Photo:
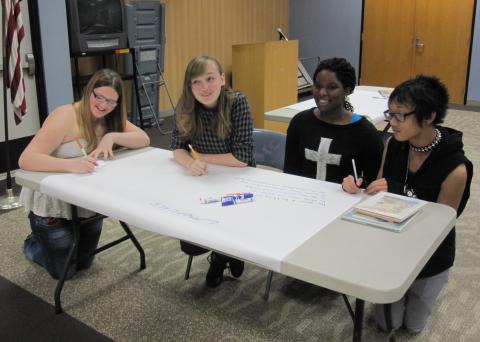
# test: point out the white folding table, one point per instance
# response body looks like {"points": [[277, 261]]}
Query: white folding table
{"points": [[293, 227]]}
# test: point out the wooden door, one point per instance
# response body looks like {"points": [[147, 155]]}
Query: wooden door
{"points": [[443, 35], [387, 49], [403, 38]]}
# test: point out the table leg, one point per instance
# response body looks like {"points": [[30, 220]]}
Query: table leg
{"points": [[358, 322], [267, 286], [136, 243], [73, 251], [349, 307], [388, 321]]}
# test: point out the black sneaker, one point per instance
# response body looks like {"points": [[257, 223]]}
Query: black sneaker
{"points": [[236, 267], [218, 263]]}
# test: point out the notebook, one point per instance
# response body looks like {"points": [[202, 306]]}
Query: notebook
{"points": [[389, 207], [354, 216]]}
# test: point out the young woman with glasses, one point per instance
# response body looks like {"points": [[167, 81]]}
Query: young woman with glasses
{"points": [[427, 161], [70, 140], [213, 125]]}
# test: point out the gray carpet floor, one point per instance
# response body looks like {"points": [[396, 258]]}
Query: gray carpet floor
{"points": [[156, 304]]}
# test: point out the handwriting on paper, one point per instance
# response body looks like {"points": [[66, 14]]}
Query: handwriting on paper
{"points": [[182, 213], [283, 193]]}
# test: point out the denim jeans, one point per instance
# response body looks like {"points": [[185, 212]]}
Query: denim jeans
{"points": [[51, 239]]}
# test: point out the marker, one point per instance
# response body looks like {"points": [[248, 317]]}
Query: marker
{"points": [[81, 147], [195, 154], [355, 171], [237, 199], [239, 196]]}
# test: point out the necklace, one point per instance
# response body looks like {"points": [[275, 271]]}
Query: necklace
{"points": [[429, 147], [408, 191], [406, 174]]}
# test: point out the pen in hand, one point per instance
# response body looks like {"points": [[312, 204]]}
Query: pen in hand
{"points": [[81, 147], [198, 167], [355, 174], [195, 154]]}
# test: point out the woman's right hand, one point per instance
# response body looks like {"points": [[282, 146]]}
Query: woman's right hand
{"points": [[197, 167], [349, 185], [85, 164]]}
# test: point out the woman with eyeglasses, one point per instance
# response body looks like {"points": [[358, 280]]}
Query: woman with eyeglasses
{"points": [[71, 139], [213, 125], [426, 161], [323, 141]]}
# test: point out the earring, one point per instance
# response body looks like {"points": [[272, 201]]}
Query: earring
{"points": [[347, 105]]}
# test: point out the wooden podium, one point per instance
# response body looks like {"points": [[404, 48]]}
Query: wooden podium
{"points": [[267, 74]]}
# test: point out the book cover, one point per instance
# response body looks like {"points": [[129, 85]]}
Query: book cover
{"points": [[389, 207], [354, 216]]}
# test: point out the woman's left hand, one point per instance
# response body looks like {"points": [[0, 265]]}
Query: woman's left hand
{"points": [[104, 148], [377, 186]]}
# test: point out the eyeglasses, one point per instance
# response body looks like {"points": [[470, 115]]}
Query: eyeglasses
{"points": [[103, 99], [400, 117]]}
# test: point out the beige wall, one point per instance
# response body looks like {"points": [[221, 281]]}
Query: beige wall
{"points": [[195, 27]]}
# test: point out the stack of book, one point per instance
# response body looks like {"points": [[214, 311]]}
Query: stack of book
{"points": [[385, 210]]}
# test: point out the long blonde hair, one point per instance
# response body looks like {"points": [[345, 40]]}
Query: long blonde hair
{"points": [[115, 121], [188, 121]]}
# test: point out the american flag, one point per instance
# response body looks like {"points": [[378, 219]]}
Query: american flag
{"points": [[14, 34]]}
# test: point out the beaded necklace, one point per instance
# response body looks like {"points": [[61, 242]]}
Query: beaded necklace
{"points": [[438, 137], [429, 147]]}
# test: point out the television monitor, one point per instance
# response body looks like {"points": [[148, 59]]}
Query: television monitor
{"points": [[96, 25]]}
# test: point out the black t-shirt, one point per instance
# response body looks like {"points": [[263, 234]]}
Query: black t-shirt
{"points": [[317, 149]]}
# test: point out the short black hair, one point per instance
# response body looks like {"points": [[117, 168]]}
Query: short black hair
{"points": [[344, 71], [425, 94]]}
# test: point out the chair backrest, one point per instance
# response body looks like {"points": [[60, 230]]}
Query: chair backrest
{"points": [[269, 148], [385, 136]]}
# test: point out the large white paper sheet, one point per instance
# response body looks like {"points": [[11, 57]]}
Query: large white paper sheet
{"points": [[153, 192]]}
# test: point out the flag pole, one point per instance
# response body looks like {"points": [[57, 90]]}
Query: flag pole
{"points": [[8, 201]]}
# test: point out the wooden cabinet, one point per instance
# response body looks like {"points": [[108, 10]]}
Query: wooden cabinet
{"points": [[267, 74]]}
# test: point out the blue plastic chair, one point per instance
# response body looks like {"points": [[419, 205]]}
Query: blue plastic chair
{"points": [[269, 150]]}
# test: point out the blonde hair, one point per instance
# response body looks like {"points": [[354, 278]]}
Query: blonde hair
{"points": [[115, 121], [188, 122]]}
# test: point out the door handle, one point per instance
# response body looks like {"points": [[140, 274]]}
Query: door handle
{"points": [[30, 58], [419, 44]]}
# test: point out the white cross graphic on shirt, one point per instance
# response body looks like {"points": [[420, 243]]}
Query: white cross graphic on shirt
{"points": [[322, 157]]}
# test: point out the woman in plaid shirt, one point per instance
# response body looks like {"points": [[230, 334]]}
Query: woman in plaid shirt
{"points": [[216, 121]]}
